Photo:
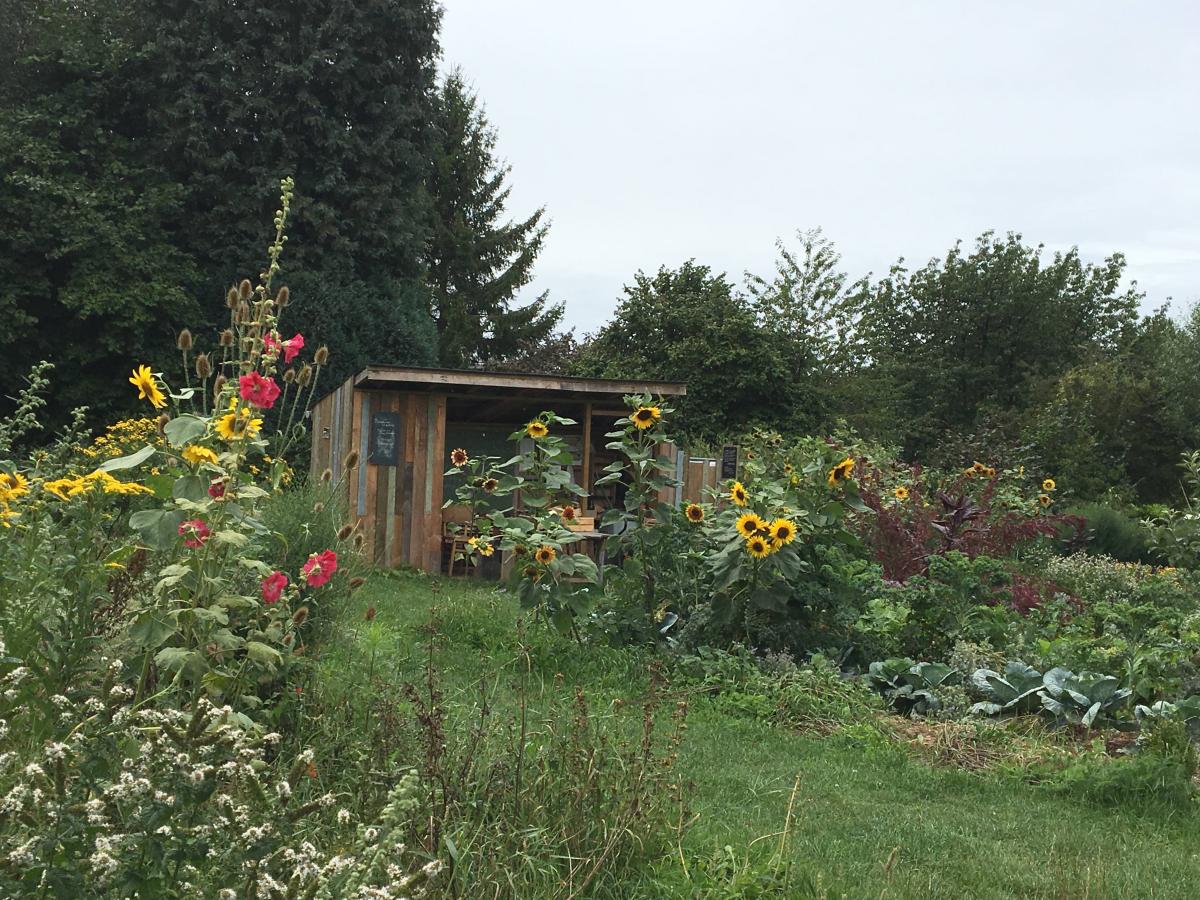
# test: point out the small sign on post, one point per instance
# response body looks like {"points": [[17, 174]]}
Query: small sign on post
{"points": [[729, 460], [384, 428]]}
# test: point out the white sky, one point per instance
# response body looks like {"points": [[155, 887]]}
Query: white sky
{"points": [[658, 131]]}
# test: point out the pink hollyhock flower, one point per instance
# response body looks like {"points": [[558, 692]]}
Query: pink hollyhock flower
{"points": [[290, 348], [319, 568], [216, 490], [272, 587], [194, 533], [262, 392]]}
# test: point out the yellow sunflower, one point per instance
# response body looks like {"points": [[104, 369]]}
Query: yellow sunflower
{"points": [[545, 554], [537, 429], [694, 512], [900, 493], [645, 416], [143, 380], [737, 493], [758, 547], [841, 471], [489, 485], [750, 524], [1048, 485], [13, 486], [195, 454], [782, 532], [236, 426], [1044, 499]]}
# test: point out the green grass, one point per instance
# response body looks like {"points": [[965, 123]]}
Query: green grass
{"points": [[862, 800]]}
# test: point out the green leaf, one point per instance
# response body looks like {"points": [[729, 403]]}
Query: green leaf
{"points": [[182, 430], [133, 460], [229, 538], [151, 628], [158, 528], [263, 653], [190, 487]]}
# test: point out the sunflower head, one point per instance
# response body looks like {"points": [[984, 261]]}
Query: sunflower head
{"points": [[568, 513], [148, 389], [758, 547], [841, 471], [787, 468], [1044, 499], [645, 416], [195, 454], [900, 493], [749, 524], [537, 429], [489, 485], [782, 532], [694, 512], [737, 493], [458, 456], [1048, 485], [545, 554], [13, 486]]}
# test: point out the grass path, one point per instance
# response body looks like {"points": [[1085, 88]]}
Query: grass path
{"points": [[870, 821]]}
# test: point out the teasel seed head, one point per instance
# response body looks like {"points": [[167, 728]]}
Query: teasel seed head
{"points": [[356, 582], [203, 366], [319, 507], [226, 338], [321, 356], [160, 424], [359, 540], [305, 376], [218, 384], [184, 341], [327, 476], [351, 460], [245, 289], [283, 298], [289, 376], [231, 297], [242, 313], [300, 615], [344, 531]]}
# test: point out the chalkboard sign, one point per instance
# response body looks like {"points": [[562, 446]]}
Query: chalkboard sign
{"points": [[729, 455], [385, 428]]}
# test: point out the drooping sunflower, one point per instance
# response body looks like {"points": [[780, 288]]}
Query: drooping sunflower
{"points": [[694, 512], [545, 554], [749, 524], [143, 380], [458, 457], [1048, 485], [1044, 499], [537, 429], [900, 493], [195, 454], [989, 472], [841, 471], [737, 493], [489, 485], [645, 416], [782, 532], [758, 547]]}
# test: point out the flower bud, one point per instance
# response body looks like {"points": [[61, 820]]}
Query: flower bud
{"points": [[321, 356], [283, 298], [305, 375], [289, 376], [226, 338], [184, 341], [245, 289], [203, 366]]}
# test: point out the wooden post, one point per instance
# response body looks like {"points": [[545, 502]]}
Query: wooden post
{"points": [[587, 452]]}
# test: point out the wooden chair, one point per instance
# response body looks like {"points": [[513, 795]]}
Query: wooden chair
{"points": [[457, 530]]}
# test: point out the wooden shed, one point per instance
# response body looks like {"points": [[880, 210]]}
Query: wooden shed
{"points": [[403, 421]]}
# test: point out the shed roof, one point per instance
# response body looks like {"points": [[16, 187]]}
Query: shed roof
{"points": [[475, 382]]}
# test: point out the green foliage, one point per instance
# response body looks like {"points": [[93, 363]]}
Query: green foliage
{"points": [[1141, 782], [1082, 698], [476, 263], [1114, 533], [911, 687], [1017, 690], [688, 324]]}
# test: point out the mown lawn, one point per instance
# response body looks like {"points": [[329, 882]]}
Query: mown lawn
{"points": [[869, 819]]}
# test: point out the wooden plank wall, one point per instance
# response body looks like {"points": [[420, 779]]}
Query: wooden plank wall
{"points": [[698, 477], [397, 508]]}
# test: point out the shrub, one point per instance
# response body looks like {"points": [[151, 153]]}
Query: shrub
{"points": [[1111, 532]]}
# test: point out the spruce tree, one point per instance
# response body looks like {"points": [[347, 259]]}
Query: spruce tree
{"points": [[477, 262]]}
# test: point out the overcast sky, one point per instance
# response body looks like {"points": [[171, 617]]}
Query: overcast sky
{"points": [[658, 131]]}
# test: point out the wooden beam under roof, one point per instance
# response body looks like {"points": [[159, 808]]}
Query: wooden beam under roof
{"points": [[454, 381]]}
